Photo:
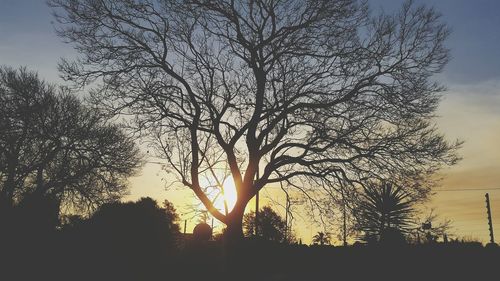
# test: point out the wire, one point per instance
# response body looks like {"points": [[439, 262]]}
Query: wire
{"points": [[153, 162], [467, 189]]}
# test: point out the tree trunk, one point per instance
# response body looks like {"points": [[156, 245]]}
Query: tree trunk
{"points": [[7, 193], [233, 239], [234, 231]]}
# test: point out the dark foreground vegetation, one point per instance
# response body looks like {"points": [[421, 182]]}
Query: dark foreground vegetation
{"points": [[141, 241], [73, 257]]}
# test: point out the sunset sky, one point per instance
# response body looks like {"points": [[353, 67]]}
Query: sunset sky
{"points": [[470, 109]]}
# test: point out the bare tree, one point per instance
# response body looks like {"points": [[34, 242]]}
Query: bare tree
{"points": [[54, 147], [308, 92]]}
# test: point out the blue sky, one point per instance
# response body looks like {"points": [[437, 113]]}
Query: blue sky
{"points": [[470, 109], [475, 37], [27, 36]]}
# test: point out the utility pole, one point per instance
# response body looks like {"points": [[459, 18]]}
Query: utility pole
{"points": [[345, 229], [344, 225], [490, 224], [257, 206], [287, 209]]}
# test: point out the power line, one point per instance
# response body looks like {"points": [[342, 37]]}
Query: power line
{"points": [[153, 162], [467, 189]]}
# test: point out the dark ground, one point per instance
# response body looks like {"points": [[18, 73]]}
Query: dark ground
{"points": [[76, 257]]}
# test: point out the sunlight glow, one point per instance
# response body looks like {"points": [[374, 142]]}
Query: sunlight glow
{"points": [[230, 194]]}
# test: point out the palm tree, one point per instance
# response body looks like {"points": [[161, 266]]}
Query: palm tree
{"points": [[383, 209], [321, 238]]}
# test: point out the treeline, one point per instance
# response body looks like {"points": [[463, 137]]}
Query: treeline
{"points": [[141, 241], [120, 241]]}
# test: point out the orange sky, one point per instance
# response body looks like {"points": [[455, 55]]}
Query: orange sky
{"points": [[461, 115], [472, 113]]}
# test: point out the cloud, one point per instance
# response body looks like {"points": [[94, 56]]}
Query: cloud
{"points": [[471, 112]]}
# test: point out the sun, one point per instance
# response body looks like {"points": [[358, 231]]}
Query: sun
{"points": [[230, 194], [223, 196]]}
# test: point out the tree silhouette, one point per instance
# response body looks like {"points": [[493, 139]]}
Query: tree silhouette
{"points": [[56, 151], [384, 210], [121, 224], [271, 226], [130, 240], [321, 238], [308, 92]]}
